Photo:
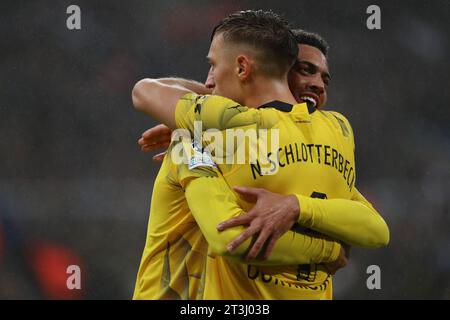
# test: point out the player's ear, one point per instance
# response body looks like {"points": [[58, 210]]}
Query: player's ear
{"points": [[243, 67]]}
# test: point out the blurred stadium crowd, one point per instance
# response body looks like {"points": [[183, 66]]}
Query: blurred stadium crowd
{"points": [[75, 189]]}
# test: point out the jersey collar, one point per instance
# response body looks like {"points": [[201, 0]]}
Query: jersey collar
{"points": [[286, 107]]}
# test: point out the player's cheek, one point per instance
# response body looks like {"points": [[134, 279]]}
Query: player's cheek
{"points": [[323, 99]]}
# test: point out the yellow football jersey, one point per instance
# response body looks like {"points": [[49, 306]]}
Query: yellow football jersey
{"points": [[174, 258], [314, 159]]}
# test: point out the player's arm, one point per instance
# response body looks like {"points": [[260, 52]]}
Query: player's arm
{"points": [[353, 221], [158, 137], [191, 85], [158, 99], [219, 203]]}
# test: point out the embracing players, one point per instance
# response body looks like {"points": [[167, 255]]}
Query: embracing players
{"points": [[315, 159]]}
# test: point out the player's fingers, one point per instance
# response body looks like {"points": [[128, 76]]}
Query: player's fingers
{"points": [[330, 268], [159, 129], [156, 146], [147, 134], [159, 157], [248, 190], [257, 246], [248, 193], [156, 129], [273, 239], [241, 238], [161, 145], [143, 142], [146, 148], [156, 139], [233, 222]]}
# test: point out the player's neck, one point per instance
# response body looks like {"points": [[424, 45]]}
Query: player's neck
{"points": [[264, 91]]}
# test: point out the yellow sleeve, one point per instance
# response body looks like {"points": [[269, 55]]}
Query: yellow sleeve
{"points": [[211, 201], [214, 112], [354, 221]]}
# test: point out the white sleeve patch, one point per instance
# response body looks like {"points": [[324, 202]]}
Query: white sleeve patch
{"points": [[197, 158]]}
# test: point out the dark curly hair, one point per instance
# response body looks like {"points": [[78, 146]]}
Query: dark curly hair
{"points": [[311, 39]]}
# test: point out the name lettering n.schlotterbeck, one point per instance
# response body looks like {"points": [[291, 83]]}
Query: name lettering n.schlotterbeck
{"points": [[312, 153]]}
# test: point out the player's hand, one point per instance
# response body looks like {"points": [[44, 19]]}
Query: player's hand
{"points": [[341, 262], [155, 138], [159, 157], [271, 216]]}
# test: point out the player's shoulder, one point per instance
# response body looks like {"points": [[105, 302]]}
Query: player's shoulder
{"points": [[208, 99], [211, 104], [339, 121]]}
